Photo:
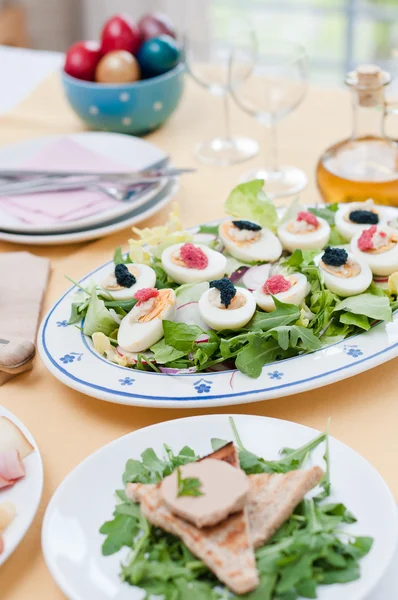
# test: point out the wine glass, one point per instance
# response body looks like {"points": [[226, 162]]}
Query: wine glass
{"points": [[207, 54], [275, 87]]}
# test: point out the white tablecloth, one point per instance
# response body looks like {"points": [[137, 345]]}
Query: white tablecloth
{"points": [[20, 72]]}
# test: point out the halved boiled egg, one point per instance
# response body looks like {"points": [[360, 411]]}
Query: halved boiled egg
{"points": [[378, 248], [305, 232], [123, 281], [142, 326], [291, 289], [351, 219], [224, 306], [191, 263], [343, 272], [250, 242]]}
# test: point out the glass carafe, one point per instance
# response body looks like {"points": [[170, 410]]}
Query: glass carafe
{"points": [[366, 164]]}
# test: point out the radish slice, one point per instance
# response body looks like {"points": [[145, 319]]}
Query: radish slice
{"points": [[202, 338], [255, 277], [205, 238], [173, 371], [189, 314], [238, 274]]}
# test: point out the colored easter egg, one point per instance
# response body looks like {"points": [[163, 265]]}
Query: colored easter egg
{"points": [[81, 60], [154, 24], [120, 32], [117, 67], [158, 55]]}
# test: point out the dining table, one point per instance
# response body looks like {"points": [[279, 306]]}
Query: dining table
{"points": [[67, 425]]}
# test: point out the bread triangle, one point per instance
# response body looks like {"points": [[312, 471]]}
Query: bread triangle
{"points": [[225, 548]]}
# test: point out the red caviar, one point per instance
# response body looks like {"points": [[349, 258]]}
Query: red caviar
{"points": [[365, 242], [276, 284], [308, 218], [146, 294], [193, 257]]}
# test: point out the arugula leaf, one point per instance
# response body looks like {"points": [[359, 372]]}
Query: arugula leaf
{"points": [[295, 336], [205, 350], [284, 314], [181, 336], [300, 259], [256, 354], [369, 305], [119, 259], [120, 532], [248, 201], [188, 486], [163, 353]]}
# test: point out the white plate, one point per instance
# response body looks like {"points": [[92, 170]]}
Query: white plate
{"points": [[70, 356], [127, 150], [151, 207], [25, 494], [71, 541]]}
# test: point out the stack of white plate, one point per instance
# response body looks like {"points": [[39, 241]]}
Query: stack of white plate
{"points": [[132, 152]]}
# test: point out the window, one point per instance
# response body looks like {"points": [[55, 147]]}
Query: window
{"points": [[338, 34]]}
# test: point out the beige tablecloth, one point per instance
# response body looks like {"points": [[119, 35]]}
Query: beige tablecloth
{"points": [[69, 426]]}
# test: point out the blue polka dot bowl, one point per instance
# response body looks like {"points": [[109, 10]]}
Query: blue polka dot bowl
{"points": [[137, 108]]}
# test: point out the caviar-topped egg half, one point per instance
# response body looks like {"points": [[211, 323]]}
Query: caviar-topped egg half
{"points": [[378, 247], [192, 263], [123, 281], [224, 306], [304, 232], [353, 218], [249, 242], [142, 326], [343, 272], [291, 289]]}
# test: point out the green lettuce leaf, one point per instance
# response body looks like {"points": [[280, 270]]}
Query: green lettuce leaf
{"points": [[369, 305], [357, 320], [181, 336], [163, 353], [190, 292], [248, 201], [98, 317]]}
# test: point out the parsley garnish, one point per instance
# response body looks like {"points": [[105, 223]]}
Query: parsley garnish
{"points": [[190, 486]]}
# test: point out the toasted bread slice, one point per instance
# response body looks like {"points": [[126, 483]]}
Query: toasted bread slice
{"points": [[273, 498], [225, 548]]}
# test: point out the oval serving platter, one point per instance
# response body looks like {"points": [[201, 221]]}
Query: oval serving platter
{"points": [[71, 358]]}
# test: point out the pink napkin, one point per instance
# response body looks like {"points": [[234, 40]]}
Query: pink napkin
{"points": [[44, 209]]}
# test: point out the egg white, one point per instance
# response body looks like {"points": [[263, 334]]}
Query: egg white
{"points": [[295, 295], [266, 249], [221, 318], [383, 264], [349, 286], [137, 337], [214, 270], [304, 241], [146, 279], [348, 229]]}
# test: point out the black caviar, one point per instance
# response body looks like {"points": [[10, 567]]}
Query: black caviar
{"points": [[226, 288], [248, 225], [334, 257], [124, 277], [364, 217]]}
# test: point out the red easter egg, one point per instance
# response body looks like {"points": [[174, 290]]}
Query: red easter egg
{"points": [[154, 24], [120, 32], [81, 60]]}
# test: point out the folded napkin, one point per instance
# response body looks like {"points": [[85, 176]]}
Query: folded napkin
{"points": [[48, 208], [23, 279]]}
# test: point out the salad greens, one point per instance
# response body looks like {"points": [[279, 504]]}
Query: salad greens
{"points": [[312, 548], [322, 319], [188, 486]]}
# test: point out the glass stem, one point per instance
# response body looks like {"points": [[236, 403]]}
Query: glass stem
{"points": [[272, 142], [227, 117]]}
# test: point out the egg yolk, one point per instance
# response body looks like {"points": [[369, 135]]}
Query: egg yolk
{"points": [[158, 305]]}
